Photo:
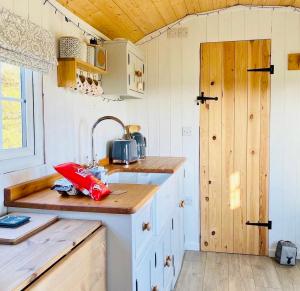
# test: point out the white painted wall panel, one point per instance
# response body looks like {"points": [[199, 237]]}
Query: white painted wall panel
{"points": [[68, 116], [283, 27]]}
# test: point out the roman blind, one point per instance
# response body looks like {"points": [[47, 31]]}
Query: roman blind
{"points": [[25, 44]]}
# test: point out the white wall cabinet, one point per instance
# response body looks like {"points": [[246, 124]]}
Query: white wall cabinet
{"points": [[126, 70]]}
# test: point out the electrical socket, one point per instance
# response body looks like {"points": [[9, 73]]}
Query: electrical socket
{"points": [[186, 131]]}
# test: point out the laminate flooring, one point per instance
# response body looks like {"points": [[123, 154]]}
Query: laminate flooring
{"points": [[218, 271]]}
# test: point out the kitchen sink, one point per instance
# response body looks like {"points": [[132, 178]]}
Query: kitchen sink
{"points": [[138, 178]]}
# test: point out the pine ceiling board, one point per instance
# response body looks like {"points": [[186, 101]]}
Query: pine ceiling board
{"points": [[245, 2], [82, 7], [231, 3], [219, 4], [191, 6], [133, 11], [287, 2], [259, 2], [88, 12], [165, 10], [95, 19], [149, 10], [179, 8], [205, 5], [104, 27], [134, 19], [119, 20]]}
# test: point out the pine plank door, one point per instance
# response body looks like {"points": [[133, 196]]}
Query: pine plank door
{"points": [[234, 146]]}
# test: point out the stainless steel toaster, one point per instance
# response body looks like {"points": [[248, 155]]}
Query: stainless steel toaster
{"points": [[123, 151]]}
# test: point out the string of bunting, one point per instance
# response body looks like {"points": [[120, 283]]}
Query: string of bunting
{"points": [[69, 20], [162, 31]]}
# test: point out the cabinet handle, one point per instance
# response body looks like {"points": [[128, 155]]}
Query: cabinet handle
{"points": [[181, 204], [168, 262], [155, 288], [146, 226], [138, 73]]}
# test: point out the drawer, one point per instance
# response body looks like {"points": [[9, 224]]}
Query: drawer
{"points": [[167, 257], [143, 229], [166, 199], [84, 268]]}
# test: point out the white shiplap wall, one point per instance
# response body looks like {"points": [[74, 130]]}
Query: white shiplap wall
{"points": [[68, 116], [173, 84]]}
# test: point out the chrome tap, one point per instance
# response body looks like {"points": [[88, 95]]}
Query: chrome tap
{"points": [[126, 133]]}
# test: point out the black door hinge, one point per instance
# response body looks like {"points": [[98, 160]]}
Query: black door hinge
{"points": [[270, 70], [263, 224], [203, 98]]}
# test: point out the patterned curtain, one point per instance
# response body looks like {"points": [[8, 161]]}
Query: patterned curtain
{"points": [[25, 44]]}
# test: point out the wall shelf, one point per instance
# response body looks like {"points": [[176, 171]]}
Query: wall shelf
{"points": [[66, 71]]}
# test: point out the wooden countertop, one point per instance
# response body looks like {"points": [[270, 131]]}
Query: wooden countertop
{"points": [[125, 199], [23, 263], [131, 198], [167, 165]]}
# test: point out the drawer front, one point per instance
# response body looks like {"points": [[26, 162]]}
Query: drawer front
{"points": [[165, 203], [143, 275], [167, 257], [143, 229], [84, 268], [157, 267]]}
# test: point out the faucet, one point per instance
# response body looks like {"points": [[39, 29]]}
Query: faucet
{"points": [[126, 133]]}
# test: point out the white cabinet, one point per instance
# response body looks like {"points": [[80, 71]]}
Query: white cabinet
{"points": [[161, 263], [126, 70], [144, 249]]}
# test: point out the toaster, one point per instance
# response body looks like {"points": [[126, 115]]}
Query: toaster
{"points": [[123, 151]]}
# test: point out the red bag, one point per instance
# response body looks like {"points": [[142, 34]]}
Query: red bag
{"points": [[83, 180]]}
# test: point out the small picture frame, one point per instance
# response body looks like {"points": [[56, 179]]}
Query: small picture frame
{"points": [[101, 57]]}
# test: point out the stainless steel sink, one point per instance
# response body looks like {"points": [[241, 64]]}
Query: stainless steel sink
{"points": [[138, 178]]}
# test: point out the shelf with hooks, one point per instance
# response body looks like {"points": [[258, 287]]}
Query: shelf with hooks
{"points": [[67, 67]]}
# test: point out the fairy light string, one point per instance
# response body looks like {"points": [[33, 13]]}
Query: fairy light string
{"points": [[75, 23], [164, 30]]}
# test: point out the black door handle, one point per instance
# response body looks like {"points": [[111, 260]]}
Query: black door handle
{"points": [[263, 224]]}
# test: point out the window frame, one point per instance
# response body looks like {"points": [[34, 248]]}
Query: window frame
{"points": [[33, 154]]}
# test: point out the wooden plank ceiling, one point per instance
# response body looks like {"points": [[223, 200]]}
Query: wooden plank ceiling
{"points": [[134, 19]]}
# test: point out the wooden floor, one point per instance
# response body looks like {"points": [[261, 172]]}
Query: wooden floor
{"points": [[217, 271]]}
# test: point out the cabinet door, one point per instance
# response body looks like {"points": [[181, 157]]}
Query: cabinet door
{"points": [[177, 241], [84, 268], [143, 275], [135, 73], [167, 256], [157, 267]]}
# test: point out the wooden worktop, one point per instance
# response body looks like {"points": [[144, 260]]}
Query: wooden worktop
{"points": [[167, 165], [23, 263], [125, 198]]}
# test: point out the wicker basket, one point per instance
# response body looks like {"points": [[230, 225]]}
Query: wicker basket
{"points": [[71, 47]]}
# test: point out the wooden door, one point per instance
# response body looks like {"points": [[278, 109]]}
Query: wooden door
{"points": [[234, 146]]}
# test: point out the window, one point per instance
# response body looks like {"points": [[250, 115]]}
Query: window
{"points": [[20, 113]]}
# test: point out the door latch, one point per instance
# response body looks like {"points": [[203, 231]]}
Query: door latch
{"points": [[263, 224], [203, 98], [270, 70]]}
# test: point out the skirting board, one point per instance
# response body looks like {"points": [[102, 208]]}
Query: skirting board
{"points": [[192, 246]]}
